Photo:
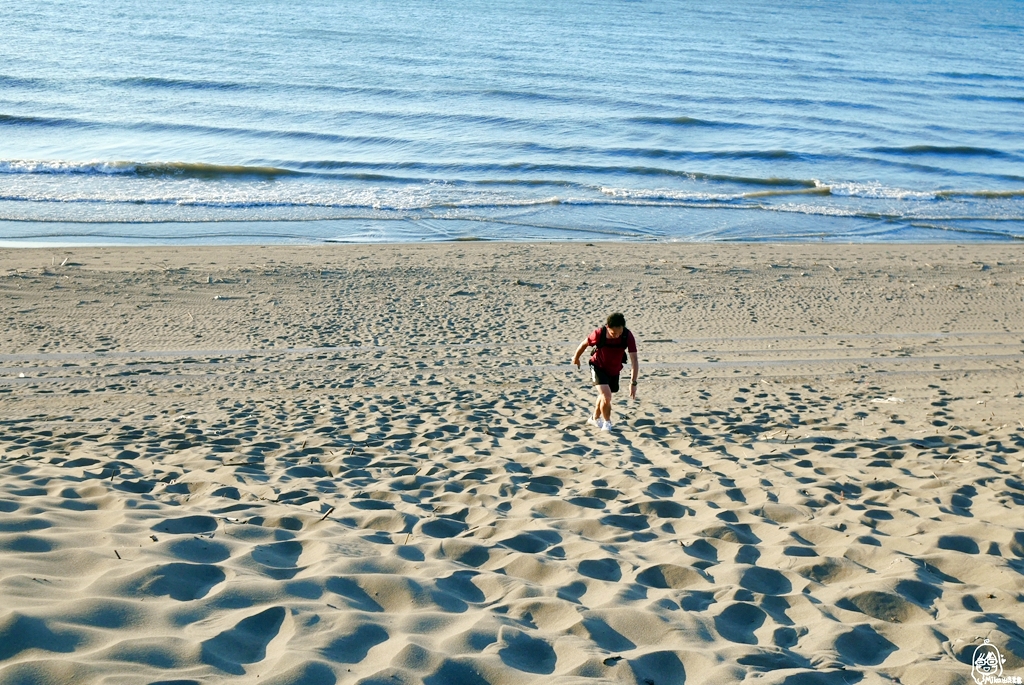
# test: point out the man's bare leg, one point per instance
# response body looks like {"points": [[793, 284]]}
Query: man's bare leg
{"points": [[603, 409]]}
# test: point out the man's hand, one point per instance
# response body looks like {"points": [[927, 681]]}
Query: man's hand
{"points": [[576, 361], [632, 392]]}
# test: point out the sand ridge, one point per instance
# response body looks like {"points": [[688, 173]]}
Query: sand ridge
{"points": [[370, 464]]}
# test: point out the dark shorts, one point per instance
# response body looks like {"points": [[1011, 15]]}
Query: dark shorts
{"points": [[602, 377]]}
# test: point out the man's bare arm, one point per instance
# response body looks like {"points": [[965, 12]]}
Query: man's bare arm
{"points": [[634, 362], [579, 352]]}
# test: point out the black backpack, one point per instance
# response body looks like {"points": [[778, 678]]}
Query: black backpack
{"points": [[602, 341]]}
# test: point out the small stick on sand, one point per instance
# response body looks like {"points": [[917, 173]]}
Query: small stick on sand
{"points": [[116, 554], [329, 511]]}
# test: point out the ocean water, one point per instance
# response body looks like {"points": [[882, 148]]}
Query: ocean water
{"points": [[408, 120]]}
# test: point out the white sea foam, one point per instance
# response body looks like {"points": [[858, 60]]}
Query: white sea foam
{"points": [[877, 191], [99, 192], [26, 166], [819, 210], [665, 195]]}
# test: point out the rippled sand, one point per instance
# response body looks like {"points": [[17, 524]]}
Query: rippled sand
{"points": [[371, 464]]}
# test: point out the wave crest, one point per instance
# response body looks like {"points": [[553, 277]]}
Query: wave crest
{"points": [[145, 169]]}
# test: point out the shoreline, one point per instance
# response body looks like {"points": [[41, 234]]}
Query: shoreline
{"points": [[370, 462], [286, 242], [696, 225]]}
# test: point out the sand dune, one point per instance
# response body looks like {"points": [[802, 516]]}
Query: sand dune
{"points": [[371, 464]]}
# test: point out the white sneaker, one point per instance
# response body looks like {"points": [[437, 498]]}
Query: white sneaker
{"points": [[606, 426], [595, 422]]}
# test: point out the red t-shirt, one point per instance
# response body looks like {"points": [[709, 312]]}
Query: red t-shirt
{"points": [[609, 356]]}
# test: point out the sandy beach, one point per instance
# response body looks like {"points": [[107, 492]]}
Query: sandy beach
{"points": [[371, 464]]}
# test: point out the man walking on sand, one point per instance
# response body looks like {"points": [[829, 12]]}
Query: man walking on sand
{"points": [[612, 341]]}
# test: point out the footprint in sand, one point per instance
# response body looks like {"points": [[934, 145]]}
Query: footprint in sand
{"points": [[526, 653], [19, 632], [352, 646], [884, 606], [603, 635], [199, 550], [466, 552], [663, 668], [180, 581], [738, 621], [533, 542], [460, 584], [309, 673], [601, 569], [188, 525], [162, 652], [245, 643], [765, 581], [670, 576], [25, 543], [355, 596], [442, 527], [278, 560], [864, 646]]}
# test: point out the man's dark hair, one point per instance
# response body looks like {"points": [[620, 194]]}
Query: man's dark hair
{"points": [[615, 320]]}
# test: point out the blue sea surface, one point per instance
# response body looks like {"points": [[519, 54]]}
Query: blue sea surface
{"points": [[407, 120]]}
